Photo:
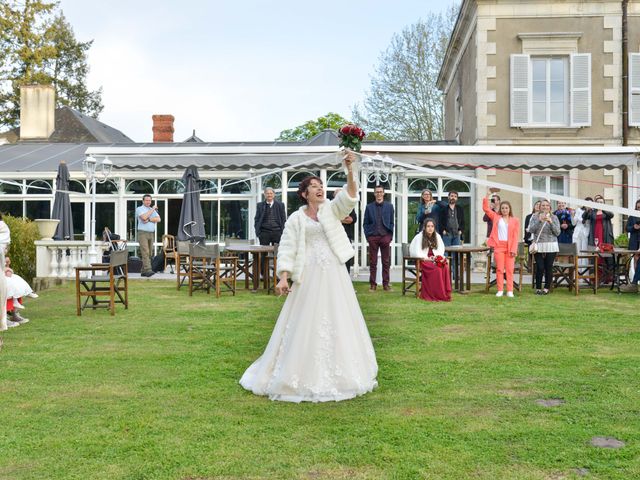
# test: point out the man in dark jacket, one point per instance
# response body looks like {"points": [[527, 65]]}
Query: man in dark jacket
{"points": [[378, 229], [451, 223], [270, 218]]}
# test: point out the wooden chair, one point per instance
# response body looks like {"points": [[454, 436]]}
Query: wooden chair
{"points": [[245, 261], [105, 279], [209, 269], [521, 265], [181, 260], [410, 272], [169, 249], [564, 266]]}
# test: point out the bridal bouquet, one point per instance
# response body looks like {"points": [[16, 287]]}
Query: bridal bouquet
{"points": [[351, 137], [440, 261]]}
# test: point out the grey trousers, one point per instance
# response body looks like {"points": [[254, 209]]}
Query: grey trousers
{"points": [[146, 249]]}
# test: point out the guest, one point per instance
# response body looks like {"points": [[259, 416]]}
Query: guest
{"points": [[528, 235], [435, 279], [451, 222], [495, 207], [581, 228], [428, 208], [5, 239], [147, 215], [378, 229], [270, 218], [600, 228], [504, 241], [633, 227], [545, 227], [565, 217], [17, 287], [348, 223]]}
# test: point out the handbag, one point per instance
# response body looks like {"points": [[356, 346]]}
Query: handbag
{"points": [[533, 248]]}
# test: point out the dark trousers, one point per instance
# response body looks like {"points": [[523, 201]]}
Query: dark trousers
{"points": [[382, 243], [544, 266], [269, 237]]}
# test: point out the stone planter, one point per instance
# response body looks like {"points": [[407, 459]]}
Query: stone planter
{"points": [[47, 227]]}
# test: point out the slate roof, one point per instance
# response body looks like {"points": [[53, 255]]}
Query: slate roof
{"points": [[72, 126]]}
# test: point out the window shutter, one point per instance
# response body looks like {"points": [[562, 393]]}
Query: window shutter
{"points": [[634, 89], [520, 88], [580, 89]]}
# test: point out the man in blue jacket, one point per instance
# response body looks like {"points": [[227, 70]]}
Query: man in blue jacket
{"points": [[378, 229]]}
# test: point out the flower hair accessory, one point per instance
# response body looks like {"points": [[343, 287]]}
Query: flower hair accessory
{"points": [[351, 137]]}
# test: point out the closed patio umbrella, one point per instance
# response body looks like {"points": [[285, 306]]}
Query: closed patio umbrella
{"points": [[191, 226], [62, 205]]}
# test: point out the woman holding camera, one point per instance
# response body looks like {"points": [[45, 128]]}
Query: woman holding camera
{"points": [[545, 228]]}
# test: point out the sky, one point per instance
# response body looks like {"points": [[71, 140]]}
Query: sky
{"points": [[234, 70]]}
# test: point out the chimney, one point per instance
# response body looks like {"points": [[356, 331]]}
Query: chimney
{"points": [[163, 128], [37, 111]]}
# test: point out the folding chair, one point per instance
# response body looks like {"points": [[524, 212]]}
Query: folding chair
{"points": [[169, 249], [208, 269], [410, 272], [108, 283]]}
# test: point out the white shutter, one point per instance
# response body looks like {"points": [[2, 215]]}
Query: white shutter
{"points": [[580, 82], [634, 89], [520, 90]]}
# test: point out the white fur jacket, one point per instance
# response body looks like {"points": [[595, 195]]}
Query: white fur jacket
{"points": [[416, 250], [291, 251]]}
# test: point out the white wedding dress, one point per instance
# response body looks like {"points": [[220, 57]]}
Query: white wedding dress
{"points": [[320, 349]]}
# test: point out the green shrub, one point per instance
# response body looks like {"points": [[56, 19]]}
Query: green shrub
{"points": [[622, 241], [22, 250]]}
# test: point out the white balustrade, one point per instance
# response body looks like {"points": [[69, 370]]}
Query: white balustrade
{"points": [[58, 259]]}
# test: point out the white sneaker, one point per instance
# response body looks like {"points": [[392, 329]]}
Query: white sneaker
{"points": [[510, 294], [11, 324], [17, 304], [20, 320], [33, 295], [500, 293]]}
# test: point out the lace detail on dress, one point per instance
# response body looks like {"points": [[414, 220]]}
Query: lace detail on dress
{"points": [[318, 250]]}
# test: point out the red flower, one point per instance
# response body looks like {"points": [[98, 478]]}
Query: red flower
{"points": [[351, 136]]}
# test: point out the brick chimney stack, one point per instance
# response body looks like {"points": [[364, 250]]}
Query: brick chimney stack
{"points": [[163, 128]]}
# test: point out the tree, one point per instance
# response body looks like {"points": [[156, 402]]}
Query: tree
{"points": [[37, 45], [403, 102], [312, 128]]}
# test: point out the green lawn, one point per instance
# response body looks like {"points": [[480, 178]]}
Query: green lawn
{"points": [[153, 392]]}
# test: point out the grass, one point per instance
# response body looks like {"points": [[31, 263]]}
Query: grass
{"points": [[153, 392]]}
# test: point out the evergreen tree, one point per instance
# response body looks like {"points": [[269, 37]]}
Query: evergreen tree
{"points": [[38, 46]]}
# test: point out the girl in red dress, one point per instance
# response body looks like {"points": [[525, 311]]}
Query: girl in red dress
{"points": [[435, 281]]}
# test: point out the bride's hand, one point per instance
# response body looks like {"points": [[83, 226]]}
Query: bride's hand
{"points": [[282, 288], [348, 159]]}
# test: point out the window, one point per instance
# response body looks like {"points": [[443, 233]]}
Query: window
{"points": [[551, 91], [555, 183]]}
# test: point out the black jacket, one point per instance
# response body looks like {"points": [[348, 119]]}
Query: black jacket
{"points": [[444, 212], [280, 215]]}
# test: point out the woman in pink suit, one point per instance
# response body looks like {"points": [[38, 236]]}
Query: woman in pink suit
{"points": [[504, 241], [435, 279]]}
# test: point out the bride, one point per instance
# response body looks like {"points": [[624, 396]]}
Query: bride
{"points": [[320, 349]]}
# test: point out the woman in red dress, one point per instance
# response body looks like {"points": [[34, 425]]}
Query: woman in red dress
{"points": [[435, 282]]}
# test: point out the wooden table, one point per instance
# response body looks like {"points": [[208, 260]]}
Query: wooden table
{"points": [[256, 252], [462, 255], [618, 268]]}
